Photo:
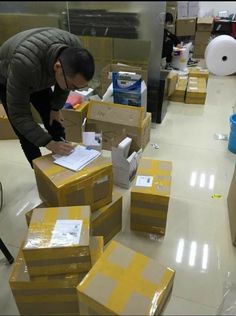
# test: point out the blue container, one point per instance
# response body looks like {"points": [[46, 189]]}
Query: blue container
{"points": [[232, 137]]}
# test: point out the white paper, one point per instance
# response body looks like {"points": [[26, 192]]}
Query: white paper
{"points": [[144, 181], [66, 233], [78, 159]]}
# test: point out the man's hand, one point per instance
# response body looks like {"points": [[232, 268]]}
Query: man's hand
{"points": [[179, 46], [56, 116], [60, 148]]}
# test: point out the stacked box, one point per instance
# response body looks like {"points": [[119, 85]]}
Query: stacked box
{"points": [[199, 73], [132, 284], [59, 186], [196, 91], [172, 79], [185, 26], [58, 241], [179, 93], [107, 221], [203, 34], [46, 295], [117, 122], [150, 196]]}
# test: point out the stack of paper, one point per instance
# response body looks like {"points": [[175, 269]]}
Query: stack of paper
{"points": [[78, 159]]}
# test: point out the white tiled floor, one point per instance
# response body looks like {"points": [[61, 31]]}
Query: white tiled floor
{"points": [[197, 242]]}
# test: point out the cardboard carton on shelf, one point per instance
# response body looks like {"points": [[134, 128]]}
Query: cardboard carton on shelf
{"points": [[58, 186], [131, 284]]}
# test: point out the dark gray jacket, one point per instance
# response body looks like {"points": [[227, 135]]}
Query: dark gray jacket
{"points": [[26, 66]]}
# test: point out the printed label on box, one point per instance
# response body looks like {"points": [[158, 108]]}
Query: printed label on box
{"points": [[66, 233], [144, 181]]}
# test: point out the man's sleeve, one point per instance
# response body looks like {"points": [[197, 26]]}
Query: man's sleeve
{"points": [[18, 100]]}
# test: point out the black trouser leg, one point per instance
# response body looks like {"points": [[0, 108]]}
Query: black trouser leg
{"points": [[168, 50], [6, 252], [30, 150]]}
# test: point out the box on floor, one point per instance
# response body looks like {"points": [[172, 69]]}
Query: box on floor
{"points": [[117, 121], [202, 38], [107, 221], [150, 196], [132, 284], [185, 26], [6, 131], [47, 251], [179, 94], [198, 73], [205, 24], [172, 79], [199, 50], [58, 186], [196, 91], [231, 199], [46, 295]]}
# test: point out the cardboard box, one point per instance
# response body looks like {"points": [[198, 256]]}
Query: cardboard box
{"points": [[182, 9], [205, 24], [29, 214], [131, 284], [197, 72], [173, 11], [150, 196], [202, 38], [199, 50], [231, 200], [6, 131], [125, 164], [107, 221], [196, 91], [58, 241], [172, 79], [46, 295], [58, 186], [185, 26], [107, 71], [179, 93], [117, 121]]}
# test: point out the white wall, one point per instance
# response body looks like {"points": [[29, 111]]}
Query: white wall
{"points": [[212, 8]]}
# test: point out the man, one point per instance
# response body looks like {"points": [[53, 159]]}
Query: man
{"points": [[169, 41], [31, 62]]}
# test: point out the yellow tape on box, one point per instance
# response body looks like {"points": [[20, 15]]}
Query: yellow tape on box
{"points": [[48, 294], [150, 196], [132, 284], [58, 241], [59, 186]]}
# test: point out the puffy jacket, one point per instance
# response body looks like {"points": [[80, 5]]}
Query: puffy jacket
{"points": [[26, 66]]}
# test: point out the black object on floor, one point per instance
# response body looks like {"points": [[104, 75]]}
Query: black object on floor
{"points": [[6, 252]]}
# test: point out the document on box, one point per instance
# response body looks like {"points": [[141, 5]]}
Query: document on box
{"points": [[66, 233], [78, 159]]}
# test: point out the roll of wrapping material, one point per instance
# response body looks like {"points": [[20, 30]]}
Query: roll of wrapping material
{"points": [[220, 55]]}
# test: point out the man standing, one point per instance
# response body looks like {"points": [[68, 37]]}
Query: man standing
{"points": [[31, 62]]}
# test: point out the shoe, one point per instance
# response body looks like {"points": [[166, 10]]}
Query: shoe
{"points": [[168, 67], [192, 62]]}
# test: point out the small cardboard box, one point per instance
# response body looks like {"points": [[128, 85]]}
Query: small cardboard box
{"points": [[53, 294], [185, 26], [180, 90], [172, 79], [196, 91], [132, 284], [125, 164], [231, 199], [107, 221], [150, 196], [58, 186], [58, 241], [199, 73], [205, 24], [6, 131], [117, 121], [107, 74]]}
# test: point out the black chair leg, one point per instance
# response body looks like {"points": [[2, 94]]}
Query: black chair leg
{"points": [[6, 252]]}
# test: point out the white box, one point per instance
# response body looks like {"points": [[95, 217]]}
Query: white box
{"points": [[124, 165]]}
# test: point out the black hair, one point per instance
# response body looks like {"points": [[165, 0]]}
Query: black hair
{"points": [[77, 61], [169, 17]]}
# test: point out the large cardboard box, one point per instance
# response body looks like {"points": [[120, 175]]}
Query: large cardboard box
{"points": [[107, 77], [185, 26], [6, 131], [150, 196], [199, 50], [58, 241], [58, 186], [117, 121], [205, 24], [132, 284], [107, 221], [202, 38], [180, 90], [196, 91], [231, 199], [48, 295]]}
